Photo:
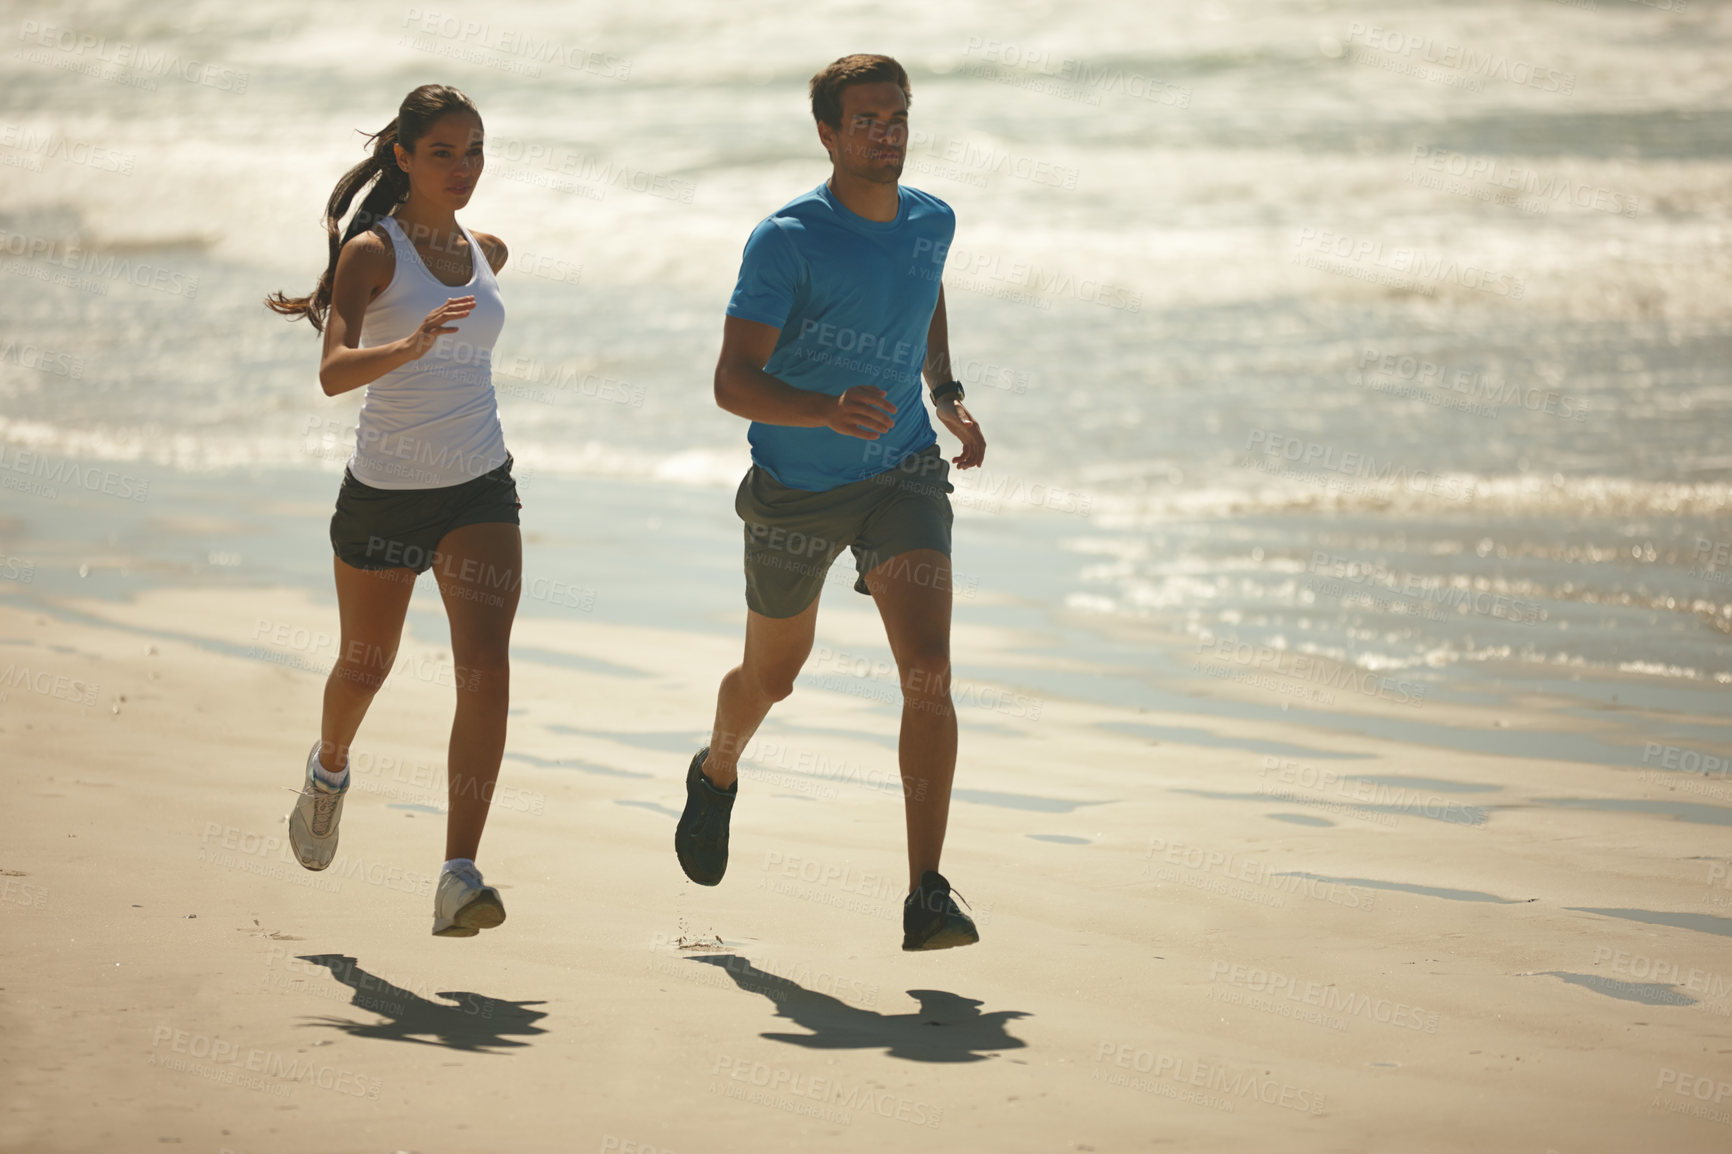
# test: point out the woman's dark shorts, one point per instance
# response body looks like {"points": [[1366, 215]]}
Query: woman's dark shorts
{"points": [[792, 535], [401, 528]]}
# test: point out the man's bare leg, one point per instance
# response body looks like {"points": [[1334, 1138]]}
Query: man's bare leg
{"points": [[776, 648], [913, 596]]}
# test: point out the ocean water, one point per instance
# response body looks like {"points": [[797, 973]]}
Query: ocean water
{"points": [[1313, 341]]}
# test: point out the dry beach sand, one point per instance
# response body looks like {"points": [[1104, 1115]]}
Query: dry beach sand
{"points": [[1224, 938]]}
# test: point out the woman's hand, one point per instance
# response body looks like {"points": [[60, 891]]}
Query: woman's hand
{"points": [[437, 324]]}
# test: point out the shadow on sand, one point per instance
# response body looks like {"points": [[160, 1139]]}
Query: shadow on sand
{"points": [[946, 1028], [473, 1022]]}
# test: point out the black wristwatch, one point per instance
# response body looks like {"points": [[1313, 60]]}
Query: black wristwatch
{"points": [[947, 390]]}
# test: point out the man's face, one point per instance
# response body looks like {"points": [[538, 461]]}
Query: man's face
{"points": [[874, 136]]}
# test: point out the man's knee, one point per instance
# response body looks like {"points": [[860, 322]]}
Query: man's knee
{"points": [[776, 682], [926, 673]]}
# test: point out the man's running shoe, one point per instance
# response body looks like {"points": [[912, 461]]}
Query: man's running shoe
{"points": [[701, 838]]}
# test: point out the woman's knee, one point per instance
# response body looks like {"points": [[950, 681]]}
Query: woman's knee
{"points": [[488, 675], [359, 679]]}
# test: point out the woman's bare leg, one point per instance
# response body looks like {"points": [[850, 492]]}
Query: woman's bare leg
{"points": [[371, 605], [479, 570]]}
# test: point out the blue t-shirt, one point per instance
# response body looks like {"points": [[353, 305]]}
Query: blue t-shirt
{"points": [[854, 299]]}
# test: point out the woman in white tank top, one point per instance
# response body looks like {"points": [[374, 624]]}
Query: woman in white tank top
{"points": [[410, 309]]}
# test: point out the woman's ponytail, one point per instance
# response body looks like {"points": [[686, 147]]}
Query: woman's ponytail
{"points": [[390, 188]]}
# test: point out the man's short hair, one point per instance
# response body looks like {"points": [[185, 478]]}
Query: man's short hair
{"points": [[861, 68]]}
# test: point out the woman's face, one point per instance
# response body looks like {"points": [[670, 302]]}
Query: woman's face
{"points": [[447, 161]]}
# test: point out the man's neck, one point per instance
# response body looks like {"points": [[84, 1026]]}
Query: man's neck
{"points": [[867, 198]]}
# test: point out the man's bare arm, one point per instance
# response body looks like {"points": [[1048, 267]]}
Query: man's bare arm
{"points": [[951, 412], [744, 389], [938, 346]]}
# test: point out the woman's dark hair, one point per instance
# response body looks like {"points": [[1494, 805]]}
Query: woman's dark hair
{"points": [[415, 116]]}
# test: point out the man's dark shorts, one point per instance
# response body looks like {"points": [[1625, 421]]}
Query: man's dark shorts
{"points": [[792, 535], [401, 528]]}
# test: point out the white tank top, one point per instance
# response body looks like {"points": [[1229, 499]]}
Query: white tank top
{"points": [[433, 422]]}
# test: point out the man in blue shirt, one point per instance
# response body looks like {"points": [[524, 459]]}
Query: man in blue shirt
{"points": [[837, 314]]}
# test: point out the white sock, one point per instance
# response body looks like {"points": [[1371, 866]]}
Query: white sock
{"points": [[321, 774], [458, 862]]}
